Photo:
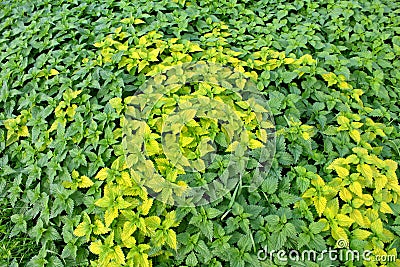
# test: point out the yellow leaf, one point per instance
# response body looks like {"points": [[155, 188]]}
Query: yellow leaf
{"points": [[339, 233], [118, 30], [377, 226], [138, 21], [355, 135], [344, 220], [145, 207], [71, 111], [358, 202], [153, 54], [317, 181], [289, 60], [356, 188], [361, 234], [380, 182], [338, 166], [116, 103], [344, 85], [99, 228], [232, 147], [342, 120], [81, 229], [23, 131], [142, 65], [96, 247], [185, 140], [320, 204], [74, 174], [330, 78], [85, 182], [309, 193], [171, 239], [368, 199], [53, 72], [128, 229], [357, 217], [307, 59], [365, 170], [194, 48], [102, 174], [152, 222], [110, 215], [345, 195], [385, 208], [125, 179], [332, 208], [253, 144], [119, 255], [99, 44]]}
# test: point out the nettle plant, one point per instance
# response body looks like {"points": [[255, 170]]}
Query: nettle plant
{"points": [[126, 189], [139, 232], [138, 55], [360, 197]]}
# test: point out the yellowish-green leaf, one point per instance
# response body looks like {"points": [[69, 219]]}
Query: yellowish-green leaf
{"points": [[145, 207], [357, 217], [377, 226], [320, 204], [119, 255], [102, 174], [332, 208], [342, 120], [138, 21], [240, 83], [194, 47], [253, 144], [232, 146], [345, 195], [82, 229], [142, 65], [152, 148], [317, 181], [309, 193], [355, 135], [344, 220], [185, 140], [99, 228], [171, 239], [153, 54], [110, 215], [356, 188], [152, 222], [361, 234], [85, 182], [385, 208], [53, 72], [344, 85], [23, 131], [96, 247], [365, 170], [128, 229], [330, 78], [380, 182], [339, 233]]}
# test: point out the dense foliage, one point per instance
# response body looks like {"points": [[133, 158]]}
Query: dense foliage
{"points": [[85, 182]]}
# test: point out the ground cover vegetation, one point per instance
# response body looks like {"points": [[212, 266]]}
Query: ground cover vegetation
{"points": [[73, 192]]}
